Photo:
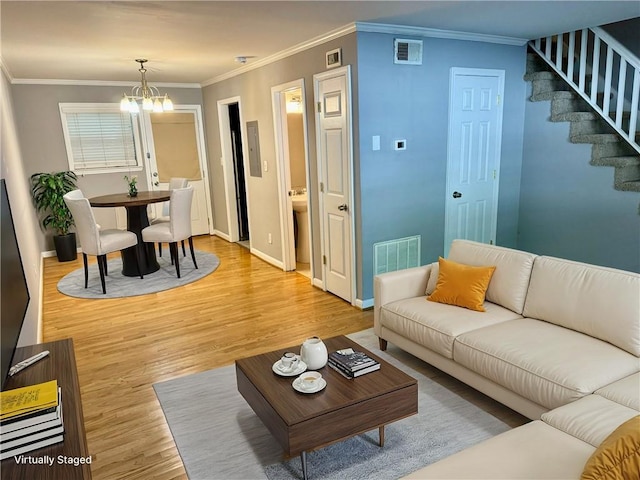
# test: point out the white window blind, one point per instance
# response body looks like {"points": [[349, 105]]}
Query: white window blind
{"points": [[99, 138]]}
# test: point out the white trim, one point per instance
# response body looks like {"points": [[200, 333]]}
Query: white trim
{"points": [[222, 235], [227, 167], [437, 33], [314, 42], [40, 326], [364, 304], [97, 83], [267, 258], [48, 253], [317, 282], [5, 69]]}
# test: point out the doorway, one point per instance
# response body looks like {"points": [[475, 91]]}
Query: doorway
{"points": [[332, 90], [473, 158], [238, 173], [234, 172], [175, 148], [290, 120]]}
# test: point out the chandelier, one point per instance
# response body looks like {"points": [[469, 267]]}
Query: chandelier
{"points": [[149, 95]]}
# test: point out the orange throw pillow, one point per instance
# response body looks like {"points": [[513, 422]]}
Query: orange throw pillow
{"points": [[461, 285], [618, 457]]}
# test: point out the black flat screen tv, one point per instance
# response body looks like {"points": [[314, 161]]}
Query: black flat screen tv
{"points": [[14, 291]]}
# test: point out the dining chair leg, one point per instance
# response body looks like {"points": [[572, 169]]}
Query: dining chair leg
{"points": [[86, 270], [104, 263], [184, 251], [159, 249], [173, 246], [193, 253], [101, 260]]}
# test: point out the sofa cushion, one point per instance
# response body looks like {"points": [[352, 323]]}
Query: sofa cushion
{"points": [[601, 302], [508, 286], [545, 363], [618, 456], [461, 285], [625, 391], [590, 419], [534, 450], [436, 325]]}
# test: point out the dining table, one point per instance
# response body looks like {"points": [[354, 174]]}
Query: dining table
{"points": [[137, 220]]}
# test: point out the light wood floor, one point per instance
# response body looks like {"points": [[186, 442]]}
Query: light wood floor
{"points": [[124, 346]]}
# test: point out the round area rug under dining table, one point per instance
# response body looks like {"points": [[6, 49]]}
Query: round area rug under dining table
{"points": [[119, 286]]}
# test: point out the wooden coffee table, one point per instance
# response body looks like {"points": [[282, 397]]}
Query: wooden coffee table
{"points": [[345, 408]]}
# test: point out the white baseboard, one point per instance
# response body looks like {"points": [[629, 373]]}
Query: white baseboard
{"points": [[222, 235], [364, 304], [317, 282], [267, 258], [40, 327]]}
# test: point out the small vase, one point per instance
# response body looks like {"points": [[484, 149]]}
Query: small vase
{"points": [[133, 192], [314, 353]]}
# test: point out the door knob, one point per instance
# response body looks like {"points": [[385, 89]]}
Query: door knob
{"points": [[343, 207], [156, 183], [155, 174], [457, 194]]}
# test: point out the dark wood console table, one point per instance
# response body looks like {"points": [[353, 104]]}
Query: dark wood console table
{"points": [[59, 365]]}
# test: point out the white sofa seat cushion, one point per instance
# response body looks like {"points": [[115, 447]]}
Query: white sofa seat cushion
{"points": [[436, 325], [534, 450], [545, 363], [601, 302], [509, 283], [625, 391], [590, 419]]}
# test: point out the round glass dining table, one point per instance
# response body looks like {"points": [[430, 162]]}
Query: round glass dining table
{"points": [[137, 219]]}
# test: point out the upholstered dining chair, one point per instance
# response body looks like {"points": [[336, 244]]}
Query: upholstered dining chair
{"points": [[174, 182], [94, 240], [178, 227]]}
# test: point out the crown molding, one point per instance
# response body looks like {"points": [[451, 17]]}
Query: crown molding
{"points": [[332, 35], [437, 33], [96, 83]]}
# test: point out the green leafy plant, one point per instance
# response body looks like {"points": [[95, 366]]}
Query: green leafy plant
{"points": [[47, 190], [132, 183]]}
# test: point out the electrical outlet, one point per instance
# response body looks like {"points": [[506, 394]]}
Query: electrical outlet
{"points": [[269, 239]]}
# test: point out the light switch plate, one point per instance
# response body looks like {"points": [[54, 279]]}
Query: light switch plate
{"points": [[375, 142]]}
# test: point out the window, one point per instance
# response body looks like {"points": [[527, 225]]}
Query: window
{"points": [[100, 138]]}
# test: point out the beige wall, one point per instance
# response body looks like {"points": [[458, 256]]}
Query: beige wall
{"points": [[22, 211], [40, 137], [254, 89], [295, 132]]}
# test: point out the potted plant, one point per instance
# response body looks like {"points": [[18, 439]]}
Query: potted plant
{"points": [[47, 190]]}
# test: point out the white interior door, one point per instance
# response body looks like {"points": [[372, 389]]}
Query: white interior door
{"points": [[474, 145], [176, 149], [333, 124]]}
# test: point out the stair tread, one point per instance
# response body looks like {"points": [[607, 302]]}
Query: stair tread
{"points": [[630, 186], [621, 161], [544, 75], [550, 95], [596, 138]]}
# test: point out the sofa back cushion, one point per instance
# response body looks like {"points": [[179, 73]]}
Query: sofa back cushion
{"points": [[508, 286], [598, 301]]}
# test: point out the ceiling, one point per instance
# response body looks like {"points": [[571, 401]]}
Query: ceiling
{"points": [[197, 41]]}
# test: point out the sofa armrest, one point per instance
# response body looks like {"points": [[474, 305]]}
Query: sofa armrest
{"points": [[393, 286]]}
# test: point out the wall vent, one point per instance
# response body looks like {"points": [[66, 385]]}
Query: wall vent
{"points": [[396, 254], [407, 52]]}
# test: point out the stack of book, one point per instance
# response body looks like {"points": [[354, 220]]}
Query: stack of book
{"points": [[30, 418], [352, 364]]}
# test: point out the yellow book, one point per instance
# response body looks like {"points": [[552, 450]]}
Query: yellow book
{"points": [[23, 400]]}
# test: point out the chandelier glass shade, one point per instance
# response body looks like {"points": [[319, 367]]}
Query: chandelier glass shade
{"points": [[148, 95]]}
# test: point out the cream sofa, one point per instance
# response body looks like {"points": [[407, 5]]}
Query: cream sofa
{"points": [[556, 335]]}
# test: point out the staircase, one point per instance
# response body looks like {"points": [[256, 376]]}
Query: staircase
{"points": [[575, 99]]}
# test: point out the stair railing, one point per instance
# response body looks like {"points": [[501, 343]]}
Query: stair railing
{"points": [[602, 71]]}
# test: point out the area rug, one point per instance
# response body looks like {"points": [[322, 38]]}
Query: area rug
{"points": [[119, 286], [219, 436]]}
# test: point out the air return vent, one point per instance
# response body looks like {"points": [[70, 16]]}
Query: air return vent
{"points": [[396, 254], [407, 52]]}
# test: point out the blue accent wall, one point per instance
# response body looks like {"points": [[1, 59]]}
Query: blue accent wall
{"points": [[402, 193], [569, 208]]}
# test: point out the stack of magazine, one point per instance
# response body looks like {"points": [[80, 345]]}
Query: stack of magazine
{"points": [[352, 364], [30, 418]]}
